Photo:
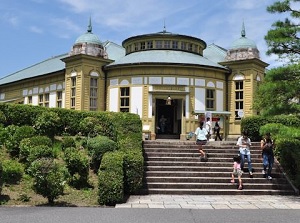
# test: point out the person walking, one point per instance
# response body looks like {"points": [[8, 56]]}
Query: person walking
{"points": [[201, 139], [217, 129], [267, 146], [208, 127], [244, 144], [237, 171]]}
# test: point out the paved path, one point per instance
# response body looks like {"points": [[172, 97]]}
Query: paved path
{"points": [[212, 202]]}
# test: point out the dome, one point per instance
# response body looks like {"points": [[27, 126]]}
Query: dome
{"points": [[243, 42], [88, 37]]}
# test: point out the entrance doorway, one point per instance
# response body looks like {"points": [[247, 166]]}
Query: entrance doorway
{"points": [[168, 119]]}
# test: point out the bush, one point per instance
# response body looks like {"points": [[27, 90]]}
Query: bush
{"points": [[49, 178], [48, 124], [15, 136], [27, 144], [67, 142], [110, 179], [41, 151], [133, 170], [97, 146], [1, 177], [12, 171], [77, 163]]}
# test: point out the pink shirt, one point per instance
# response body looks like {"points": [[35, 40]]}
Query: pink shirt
{"points": [[236, 165]]}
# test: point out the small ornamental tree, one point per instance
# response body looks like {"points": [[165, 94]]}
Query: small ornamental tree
{"points": [[49, 178]]}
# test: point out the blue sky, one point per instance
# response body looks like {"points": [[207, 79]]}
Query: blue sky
{"points": [[35, 30]]}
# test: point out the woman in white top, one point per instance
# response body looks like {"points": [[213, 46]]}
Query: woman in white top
{"points": [[244, 144], [201, 139]]}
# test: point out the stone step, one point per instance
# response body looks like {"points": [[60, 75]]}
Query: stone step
{"points": [[225, 186], [195, 158], [196, 179], [180, 191], [204, 169], [174, 167], [196, 163]]}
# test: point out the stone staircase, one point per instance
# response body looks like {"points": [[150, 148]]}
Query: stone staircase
{"points": [[174, 167]]}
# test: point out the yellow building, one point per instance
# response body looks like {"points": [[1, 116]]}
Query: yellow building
{"points": [[176, 76]]}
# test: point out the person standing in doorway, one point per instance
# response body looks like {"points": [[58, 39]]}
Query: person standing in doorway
{"points": [[217, 129], [201, 139], [267, 146], [162, 124], [244, 144]]}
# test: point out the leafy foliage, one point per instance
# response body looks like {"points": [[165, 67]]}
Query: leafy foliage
{"points": [[97, 146], [284, 40], [12, 171], [280, 92], [49, 178], [77, 162], [47, 123]]}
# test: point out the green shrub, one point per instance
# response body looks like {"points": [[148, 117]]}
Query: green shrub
{"points": [[1, 177], [67, 142], [28, 143], [18, 134], [97, 146], [48, 123], [110, 179], [49, 178], [12, 171], [77, 163], [2, 119], [41, 151], [133, 170]]}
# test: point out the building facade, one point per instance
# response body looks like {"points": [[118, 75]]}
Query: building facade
{"points": [[171, 81]]}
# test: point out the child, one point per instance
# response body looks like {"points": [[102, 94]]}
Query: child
{"points": [[237, 171]]}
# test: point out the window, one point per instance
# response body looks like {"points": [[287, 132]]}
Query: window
{"points": [[46, 100], [73, 92], [93, 94], [167, 44], [124, 99], [29, 100], [158, 44], [190, 47], [149, 44], [175, 44], [41, 100], [239, 98], [183, 45], [143, 45], [136, 47], [210, 99], [59, 99]]}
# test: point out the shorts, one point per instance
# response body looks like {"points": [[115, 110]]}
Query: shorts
{"points": [[237, 172], [201, 142]]}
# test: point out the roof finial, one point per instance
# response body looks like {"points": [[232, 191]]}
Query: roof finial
{"points": [[89, 30], [243, 32], [165, 30]]}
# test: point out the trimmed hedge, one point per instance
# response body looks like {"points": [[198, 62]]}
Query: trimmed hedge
{"points": [[1, 177], [133, 170], [110, 179], [253, 124]]}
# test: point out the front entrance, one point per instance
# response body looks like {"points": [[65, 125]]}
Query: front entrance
{"points": [[168, 119]]}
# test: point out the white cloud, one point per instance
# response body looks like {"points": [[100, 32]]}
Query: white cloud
{"points": [[35, 29]]}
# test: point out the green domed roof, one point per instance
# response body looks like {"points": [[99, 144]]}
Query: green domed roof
{"points": [[88, 37], [243, 42]]}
